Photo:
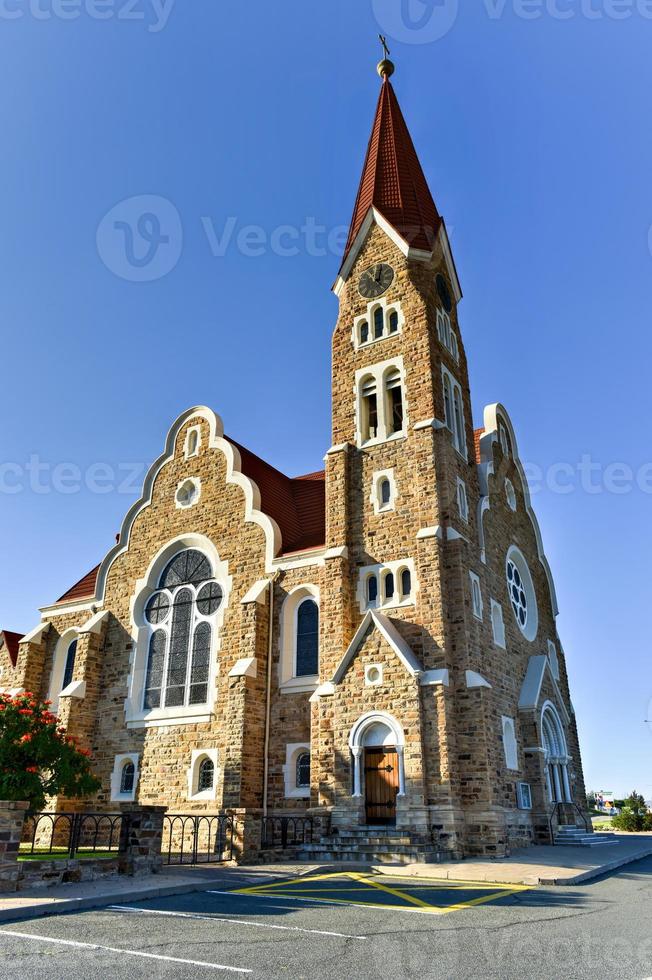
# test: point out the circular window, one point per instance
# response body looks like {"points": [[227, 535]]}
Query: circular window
{"points": [[444, 293], [521, 594], [511, 494], [188, 493], [157, 609], [209, 598]]}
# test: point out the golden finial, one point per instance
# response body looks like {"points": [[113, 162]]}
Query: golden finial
{"points": [[385, 67]]}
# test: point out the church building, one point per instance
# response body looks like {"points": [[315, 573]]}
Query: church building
{"points": [[373, 645]]}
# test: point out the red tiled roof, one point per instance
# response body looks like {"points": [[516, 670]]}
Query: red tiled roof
{"points": [[12, 640], [83, 589], [477, 436], [297, 504], [392, 179]]}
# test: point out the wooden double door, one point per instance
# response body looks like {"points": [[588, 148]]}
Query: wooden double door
{"points": [[381, 784]]}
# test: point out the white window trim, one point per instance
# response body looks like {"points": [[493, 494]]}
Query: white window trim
{"points": [[498, 624], [373, 675], [553, 657], [119, 763], [477, 603], [59, 666], [458, 436], [378, 477], [287, 680], [380, 571], [387, 308], [197, 757], [510, 743], [378, 373], [189, 482], [446, 334], [524, 797], [510, 494], [292, 753], [462, 500], [531, 627], [135, 715], [189, 434]]}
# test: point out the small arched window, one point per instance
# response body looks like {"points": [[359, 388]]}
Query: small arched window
{"points": [[393, 322], [206, 775], [127, 776], [379, 322], [388, 586], [369, 409], [307, 655], [364, 332], [303, 770], [394, 401], [406, 583], [385, 492], [69, 668], [372, 589]]}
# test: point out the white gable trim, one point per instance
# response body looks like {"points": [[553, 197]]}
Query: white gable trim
{"points": [[253, 514], [493, 414], [376, 620], [533, 682]]}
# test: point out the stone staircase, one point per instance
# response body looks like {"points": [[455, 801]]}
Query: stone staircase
{"points": [[373, 845], [572, 836]]}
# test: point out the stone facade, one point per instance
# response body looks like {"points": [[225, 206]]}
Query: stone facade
{"points": [[448, 683]]}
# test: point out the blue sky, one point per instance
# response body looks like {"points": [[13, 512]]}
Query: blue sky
{"points": [[534, 134]]}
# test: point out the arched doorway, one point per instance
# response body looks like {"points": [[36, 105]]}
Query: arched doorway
{"points": [[554, 745], [376, 744]]}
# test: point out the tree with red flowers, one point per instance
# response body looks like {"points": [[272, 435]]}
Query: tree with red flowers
{"points": [[37, 758]]}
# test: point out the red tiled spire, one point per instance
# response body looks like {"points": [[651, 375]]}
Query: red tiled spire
{"points": [[392, 179]]}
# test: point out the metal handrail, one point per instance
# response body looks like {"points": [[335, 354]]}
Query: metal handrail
{"points": [[557, 809]]}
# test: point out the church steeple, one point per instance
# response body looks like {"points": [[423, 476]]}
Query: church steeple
{"points": [[392, 181]]}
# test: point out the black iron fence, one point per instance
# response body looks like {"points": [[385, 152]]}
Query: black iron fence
{"points": [[193, 838], [282, 832], [68, 835]]}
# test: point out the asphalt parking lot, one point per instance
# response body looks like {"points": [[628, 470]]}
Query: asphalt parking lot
{"points": [[351, 925]]}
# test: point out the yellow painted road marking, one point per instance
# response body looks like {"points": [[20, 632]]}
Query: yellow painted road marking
{"points": [[366, 883], [412, 899]]}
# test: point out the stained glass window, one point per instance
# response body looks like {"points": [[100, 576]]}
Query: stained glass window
{"points": [[69, 669], [127, 778], [303, 770], [307, 639], [206, 775], [178, 665]]}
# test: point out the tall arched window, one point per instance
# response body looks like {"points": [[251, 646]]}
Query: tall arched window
{"points": [[385, 492], [372, 589], [388, 585], [394, 391], [69, 669], [307, 657], [369, 409], [379, 322], [181, 613], [448, 403], [406, 583], [393, 322], [556, 753], [364, 332]]}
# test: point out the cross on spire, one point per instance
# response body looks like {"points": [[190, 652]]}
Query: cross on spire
{"points": [[383, 41]]}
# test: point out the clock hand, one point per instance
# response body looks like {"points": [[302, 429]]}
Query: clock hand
{"points": [[377, 270]]}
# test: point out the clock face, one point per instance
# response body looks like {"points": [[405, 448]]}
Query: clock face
{"points": [[376, 280]]}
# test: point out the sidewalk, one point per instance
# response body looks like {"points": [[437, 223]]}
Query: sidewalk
{"points": [[530, 866], [543, 865]]}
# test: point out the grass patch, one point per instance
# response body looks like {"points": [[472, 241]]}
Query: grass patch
{"points": [[61, 854]]}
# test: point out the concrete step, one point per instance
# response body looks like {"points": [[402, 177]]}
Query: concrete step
{"points": [[370, 857], [584, 840], [360, 848]]}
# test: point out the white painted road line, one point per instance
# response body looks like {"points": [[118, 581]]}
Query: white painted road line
{"points": [[125, 952], [238, 922]]}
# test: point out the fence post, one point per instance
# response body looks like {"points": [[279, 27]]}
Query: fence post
{"points": [[141, 839], [12, 819]]}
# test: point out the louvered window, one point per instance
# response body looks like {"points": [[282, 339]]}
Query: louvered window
{"points": [[181, 613]]}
